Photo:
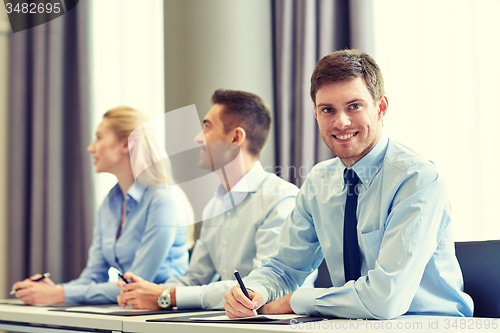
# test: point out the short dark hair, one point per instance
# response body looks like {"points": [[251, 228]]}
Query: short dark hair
{"points": [[248, 111], [348, 65]]}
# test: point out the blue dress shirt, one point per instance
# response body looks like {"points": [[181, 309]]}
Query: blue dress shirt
{"points": [[151, 244], [408, 263], [237, 238]]}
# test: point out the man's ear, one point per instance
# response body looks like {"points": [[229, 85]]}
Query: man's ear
{"points": [[239, 136], [383, 106], [315, 111]]}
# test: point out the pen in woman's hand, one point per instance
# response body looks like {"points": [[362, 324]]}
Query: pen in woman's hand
{"points": [[120, 275], [45, 275]]}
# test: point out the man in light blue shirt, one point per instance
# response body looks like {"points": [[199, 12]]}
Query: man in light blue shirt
{"points": [[237, 238], [404, 232]]}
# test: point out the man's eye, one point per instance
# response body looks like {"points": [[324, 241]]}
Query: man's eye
{"points": [[354, 106], [327, 110]]}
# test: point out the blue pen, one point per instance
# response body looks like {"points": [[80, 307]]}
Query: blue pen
{"points": [[243, 288]]}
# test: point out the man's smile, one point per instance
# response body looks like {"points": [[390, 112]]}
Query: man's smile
{"points": [[344, 137]]}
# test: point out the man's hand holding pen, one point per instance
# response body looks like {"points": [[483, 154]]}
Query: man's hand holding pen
{"points": [[238, 305], [242, 302], [140, 294]]}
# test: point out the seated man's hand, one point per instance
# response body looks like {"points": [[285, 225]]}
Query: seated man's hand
{"points": [[279, 306], [140, 295], [237, 305], [131, 277]]}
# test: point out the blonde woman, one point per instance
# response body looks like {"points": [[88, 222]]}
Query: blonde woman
{"points": [[136, 228]]}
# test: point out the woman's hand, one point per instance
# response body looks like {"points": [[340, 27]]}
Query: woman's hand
{"points": [[42, 292]]}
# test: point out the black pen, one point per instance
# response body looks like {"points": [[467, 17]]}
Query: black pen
{"points": [[45, 275], [126, 281], [243, 288]]}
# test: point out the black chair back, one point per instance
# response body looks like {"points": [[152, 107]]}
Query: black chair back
{"points": [[323, 280], [480, 263]]}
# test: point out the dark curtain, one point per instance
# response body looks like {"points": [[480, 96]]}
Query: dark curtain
{"points": [[305, 31], [51, 207]]}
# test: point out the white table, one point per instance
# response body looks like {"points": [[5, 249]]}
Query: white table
{"points": [[25, 317], [39, 319], [420, 324]]}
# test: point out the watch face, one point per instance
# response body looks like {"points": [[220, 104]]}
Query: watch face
{"points": [[164, 302]]}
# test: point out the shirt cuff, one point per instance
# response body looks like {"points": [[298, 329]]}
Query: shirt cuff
{"points": [[303, 301], [188, 297], [262, 291], [73, 293]]}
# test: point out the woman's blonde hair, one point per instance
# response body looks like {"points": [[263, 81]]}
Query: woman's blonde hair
{"points": [[122, 121]]}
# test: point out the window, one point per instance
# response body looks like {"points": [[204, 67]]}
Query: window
{"points": [[127, 41]]}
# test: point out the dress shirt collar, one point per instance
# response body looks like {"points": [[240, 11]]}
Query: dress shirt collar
{"points": [[250, 182], [369, 165], [136, 191]]}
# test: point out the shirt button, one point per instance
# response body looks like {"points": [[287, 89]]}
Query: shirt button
{"points": [[228, 213], [367, 181], [127, 197], [128, 209], [224, 242], [342, 183], [224, 270]]}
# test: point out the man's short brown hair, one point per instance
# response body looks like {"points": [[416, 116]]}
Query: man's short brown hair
{"points": [[248, 111], [348, 65]]}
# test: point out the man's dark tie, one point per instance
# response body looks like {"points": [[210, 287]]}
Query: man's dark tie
{"points": [[352, 265]]}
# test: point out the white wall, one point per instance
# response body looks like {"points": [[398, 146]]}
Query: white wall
{"points": [[4, 61]]}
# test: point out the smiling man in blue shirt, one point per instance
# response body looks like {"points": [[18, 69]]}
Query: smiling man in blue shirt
{"points": [[407, 263]]}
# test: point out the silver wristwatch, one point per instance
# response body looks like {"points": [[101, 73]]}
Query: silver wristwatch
{"points": [[165, 300]]}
